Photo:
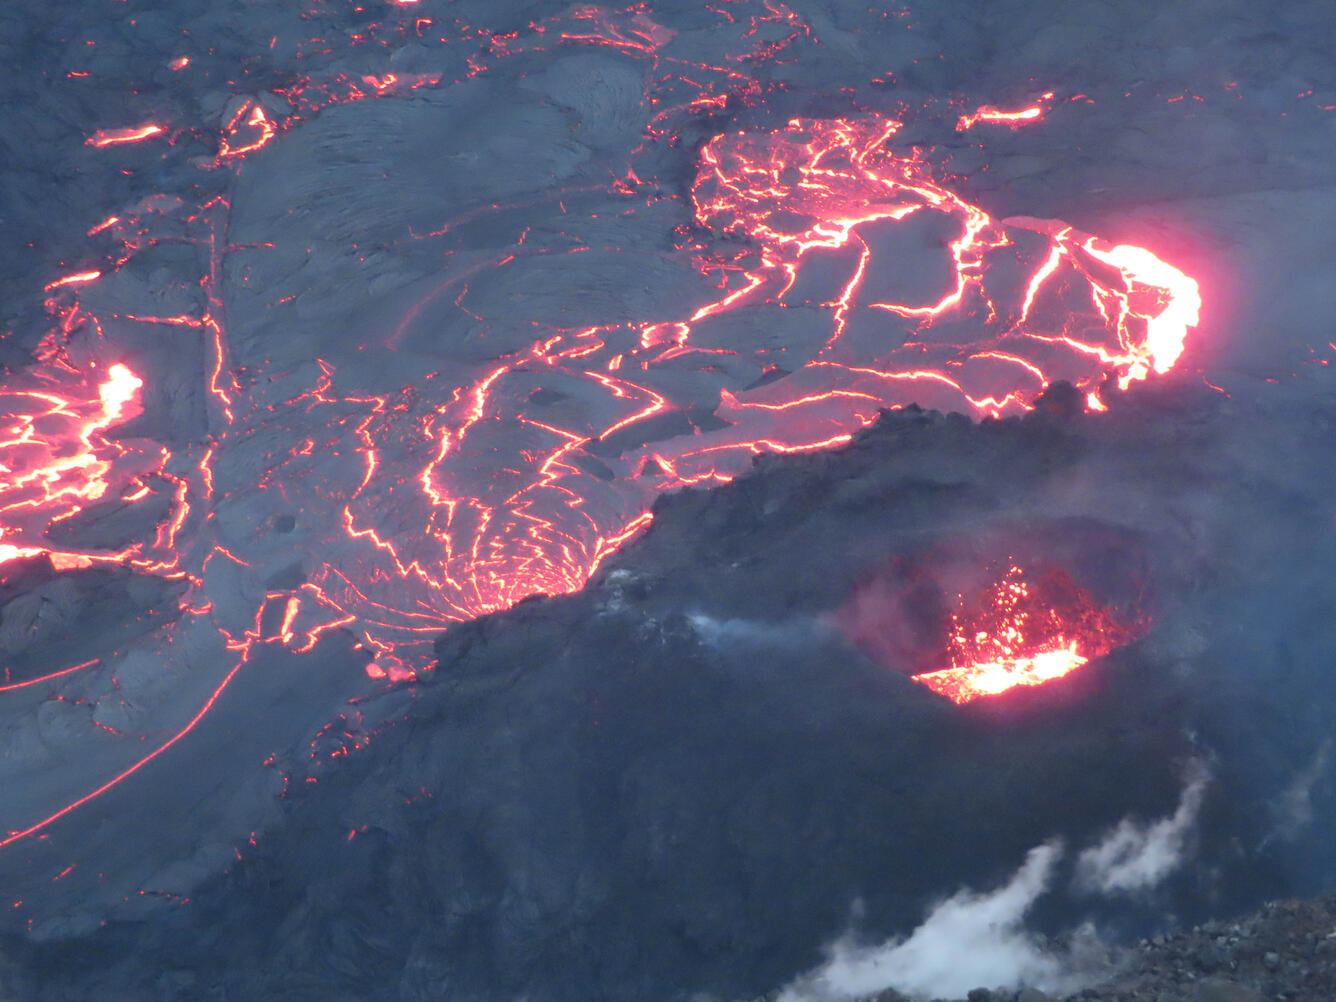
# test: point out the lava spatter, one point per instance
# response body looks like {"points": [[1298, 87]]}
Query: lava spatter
{"points": [[1023, 629]]}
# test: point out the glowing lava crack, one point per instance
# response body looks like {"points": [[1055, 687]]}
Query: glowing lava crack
{"points": [[470, 489]]}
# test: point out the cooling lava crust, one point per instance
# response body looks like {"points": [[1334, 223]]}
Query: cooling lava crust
{"points": [[660, 784]]}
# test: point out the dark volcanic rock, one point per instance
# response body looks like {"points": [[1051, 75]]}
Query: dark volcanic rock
{"points": [[682, 778], [1285, 950]]}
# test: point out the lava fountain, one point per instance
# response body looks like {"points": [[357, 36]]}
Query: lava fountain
{"points": [[1022, 629]]}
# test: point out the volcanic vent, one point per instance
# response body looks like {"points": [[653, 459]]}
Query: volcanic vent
{"points": [[1024, 629], [992, 611]]}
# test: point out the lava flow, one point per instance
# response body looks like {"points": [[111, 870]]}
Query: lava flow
{"points": [[826, 274], [55, 460], [1023, 631]]}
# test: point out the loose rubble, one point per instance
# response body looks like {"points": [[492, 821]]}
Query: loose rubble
{"points": [[1284, 951]]}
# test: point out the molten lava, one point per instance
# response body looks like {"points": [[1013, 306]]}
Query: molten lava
{"points": [[1014, 119], [839, 277], [55, 460], [1023, 630]]}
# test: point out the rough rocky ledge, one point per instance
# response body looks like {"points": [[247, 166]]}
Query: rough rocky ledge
{"points": [[1286, 950]]}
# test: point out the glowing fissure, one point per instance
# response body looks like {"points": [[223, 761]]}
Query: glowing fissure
{"points": [[988, 114], [1023, 630], [506, 500]]}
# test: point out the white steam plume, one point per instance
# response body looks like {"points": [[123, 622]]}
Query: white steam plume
{"points": [[975, 940], [1135, 857], [969, 940], [1292, 810], [721, 633]]}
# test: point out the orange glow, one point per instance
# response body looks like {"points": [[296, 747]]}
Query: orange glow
{"points": [[79, 279], [467, 491], [248, 135], [130, 770], [1015, 119], [120, 389], [1022, 632], [1166, 330], [49, 675], [113, 137], [531, 527], [55, 460]]}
